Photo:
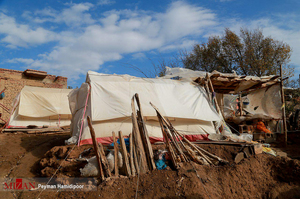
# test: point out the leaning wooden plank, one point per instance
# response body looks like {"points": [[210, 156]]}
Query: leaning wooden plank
{"points": [[131, 156], [138, 141], [96, 148], [104, 161], [145, 136], [136, 162], [124, 154], [116, 153]]}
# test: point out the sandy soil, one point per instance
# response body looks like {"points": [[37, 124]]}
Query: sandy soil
{"points": [[261, 176]]}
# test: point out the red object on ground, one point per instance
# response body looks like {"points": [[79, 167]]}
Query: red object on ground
{"points": [[109, 140], [261, 126]]}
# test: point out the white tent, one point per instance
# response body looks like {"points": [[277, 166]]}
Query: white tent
{"points": [[107, 100], [40, 107]]}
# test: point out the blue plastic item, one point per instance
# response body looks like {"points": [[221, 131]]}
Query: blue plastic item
{"points": [[161, 164]]}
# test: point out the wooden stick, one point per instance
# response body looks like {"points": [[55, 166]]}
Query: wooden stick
{"points": [[136, 161], [283, 108], [131, 155], [195, 148], [214, 96], [171, 127], [124, 154], [96, 148], [176, 146], [104, 160], [169, 147], [116, 149], [145, 136], [212, 155], [138, 141]]}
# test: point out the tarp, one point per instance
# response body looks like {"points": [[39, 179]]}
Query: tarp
{"points": [[262, 102], [266, 101], [41, 106], [109, 105]]}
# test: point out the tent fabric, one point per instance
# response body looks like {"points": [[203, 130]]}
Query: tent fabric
{"points": [[262, 102], [111, 97], [43, 102], [266, 101], [41, 106], [109, 106]]}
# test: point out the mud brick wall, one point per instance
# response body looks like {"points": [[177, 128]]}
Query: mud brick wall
{"points": [[14, 81]]}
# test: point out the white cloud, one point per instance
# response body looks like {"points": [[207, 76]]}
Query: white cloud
{"points": [[139, 56], [75, 15], [186, 44], [93, 41], [20, 60], [20, 35], [105, 2], [291, 35], [121, 32]]}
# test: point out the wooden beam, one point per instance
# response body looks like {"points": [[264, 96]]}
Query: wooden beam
{"points": [[145, 136], [283, 108], [124, 154], [96, 148], [141, 156], [131, 155], [104, 160], [116, 154]]}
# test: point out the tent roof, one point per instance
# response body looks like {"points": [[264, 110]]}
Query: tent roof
{"points": [[224, 82], [111, 97]]}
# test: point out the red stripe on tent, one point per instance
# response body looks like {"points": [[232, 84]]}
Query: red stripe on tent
{"points": [[109, 140]]}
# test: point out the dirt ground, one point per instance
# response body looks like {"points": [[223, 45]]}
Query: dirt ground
{"points": [[261, 176]]}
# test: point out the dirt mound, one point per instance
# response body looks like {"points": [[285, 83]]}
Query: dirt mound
{"points": [[51, 161], [55, 157], [261, 176]]}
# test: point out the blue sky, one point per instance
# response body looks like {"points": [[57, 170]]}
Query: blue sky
{"points": [[68, 38]]}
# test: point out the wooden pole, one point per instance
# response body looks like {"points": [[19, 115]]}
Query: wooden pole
{"points": [[212, 99], [104, 160], [169, 146], [283, 107], [136, 162], [141, 156], [116, 149], [145, 136], [131, 155], [96, 148], [124, 154]]}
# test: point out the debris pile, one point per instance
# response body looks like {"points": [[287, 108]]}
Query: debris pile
{"points": [[138, 159], [181, 149]]}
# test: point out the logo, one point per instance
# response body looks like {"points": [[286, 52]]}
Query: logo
{"points": [[19, 185]]}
